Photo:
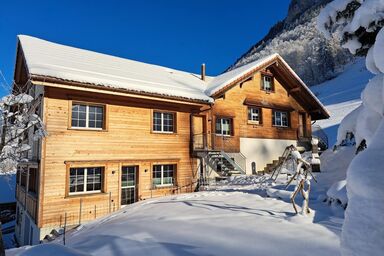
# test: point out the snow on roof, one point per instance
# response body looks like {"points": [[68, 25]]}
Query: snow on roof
{"points": [[226, 78], [68, 63], [49, 59]]}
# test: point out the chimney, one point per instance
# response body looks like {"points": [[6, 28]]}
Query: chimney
{"points": [[203, 72]]}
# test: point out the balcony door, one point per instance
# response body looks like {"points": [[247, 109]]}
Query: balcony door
{"points": [[199, 132], [302, 127], [129, 178]]}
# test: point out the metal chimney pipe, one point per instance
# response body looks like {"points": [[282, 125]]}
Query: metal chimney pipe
{"points": [[203, 71]]}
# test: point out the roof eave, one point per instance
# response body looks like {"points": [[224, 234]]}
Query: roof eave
{"points": [[45, 80]]}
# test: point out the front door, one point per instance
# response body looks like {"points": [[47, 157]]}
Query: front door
{"points": [[128, 184]]}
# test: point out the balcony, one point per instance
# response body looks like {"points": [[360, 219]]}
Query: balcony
{"points": [[27, 200]]}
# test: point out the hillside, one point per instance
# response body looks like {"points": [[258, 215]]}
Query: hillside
{"points": [[314, 58], [341, 95]]}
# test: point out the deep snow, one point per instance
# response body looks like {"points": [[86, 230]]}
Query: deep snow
{"points": [[235, 217]]}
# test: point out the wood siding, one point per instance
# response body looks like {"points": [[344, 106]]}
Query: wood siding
{"points": [[126, 140], [231, 104]]}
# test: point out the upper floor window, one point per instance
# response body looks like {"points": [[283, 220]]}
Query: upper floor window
{"points": [[224, 126], [267, 83], [163, 122], [280, 118], [254, 115], [32, 183], [82, 180], [87, 116], [163, 175]]}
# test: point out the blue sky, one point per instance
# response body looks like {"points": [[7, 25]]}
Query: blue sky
{"points": [[177, 34]]}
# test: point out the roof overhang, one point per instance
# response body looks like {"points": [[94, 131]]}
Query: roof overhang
{"points": [[71, 85]]}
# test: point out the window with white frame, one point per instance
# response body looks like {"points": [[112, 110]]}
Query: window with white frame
{"points": [[163, 122], [87, 116], [280, 118], [224, 126], [83, 180], [163, 174], [267, 83], [254, 114]]}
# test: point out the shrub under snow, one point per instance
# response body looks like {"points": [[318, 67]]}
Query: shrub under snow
{"points": [[356, 23]]}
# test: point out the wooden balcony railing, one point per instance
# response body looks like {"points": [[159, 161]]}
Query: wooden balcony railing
{"points": [[27, 200]]}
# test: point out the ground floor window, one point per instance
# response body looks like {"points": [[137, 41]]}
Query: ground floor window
{"points": [[87, 179], [163, 175]]}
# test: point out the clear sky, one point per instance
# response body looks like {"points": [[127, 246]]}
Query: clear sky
{"points": [[180, 34]]}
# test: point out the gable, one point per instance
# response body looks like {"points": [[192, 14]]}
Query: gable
{"points": [[281, 71]]}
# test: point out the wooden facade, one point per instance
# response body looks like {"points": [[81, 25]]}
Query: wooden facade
{"points": [[126, 140], [234, 104]]}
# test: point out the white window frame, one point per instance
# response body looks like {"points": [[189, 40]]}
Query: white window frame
{"points": [[258, 115], [221, 126], [162, 121], [162, 175], [281, 119], [270, 89], [87, 116], [85, 181]]}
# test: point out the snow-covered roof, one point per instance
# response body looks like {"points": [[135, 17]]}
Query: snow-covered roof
{"points": [[49, 59], [53, 60], [220, 81]]}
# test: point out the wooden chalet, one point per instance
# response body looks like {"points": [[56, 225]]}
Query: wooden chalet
{"points": [[120, 131]]}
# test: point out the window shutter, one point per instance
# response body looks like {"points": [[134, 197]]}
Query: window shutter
{"points": [[260, 115], [273, 117], [232, 128], [289, 118]]}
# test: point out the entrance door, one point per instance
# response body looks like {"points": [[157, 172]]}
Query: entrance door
{"points": [[128, 184], [302, 125]]}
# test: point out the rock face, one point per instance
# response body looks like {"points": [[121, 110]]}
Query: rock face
{"points": [[314, 58]]}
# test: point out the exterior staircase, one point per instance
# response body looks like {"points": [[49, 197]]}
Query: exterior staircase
{"points": [[221, 163], [272, 166]]}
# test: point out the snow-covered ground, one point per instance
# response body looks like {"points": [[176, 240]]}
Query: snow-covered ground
{"points": [[232, 218], [341, 95]]}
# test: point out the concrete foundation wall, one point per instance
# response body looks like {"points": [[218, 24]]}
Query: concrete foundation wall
{"points": [[262, 151]]}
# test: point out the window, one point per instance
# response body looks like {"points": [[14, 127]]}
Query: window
{"points": [[280, 118], [87, 116], [32, 183], [83, 180], [254, 114], [267, 83], [23, 176], [163, 122], [163, 174], [224, 126]]}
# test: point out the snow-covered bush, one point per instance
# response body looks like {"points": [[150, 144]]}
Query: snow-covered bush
{"points": [[359, 26]]}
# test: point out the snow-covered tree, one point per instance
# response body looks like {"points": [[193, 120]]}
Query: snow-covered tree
{"points": [[18, 123], [358, 24]]}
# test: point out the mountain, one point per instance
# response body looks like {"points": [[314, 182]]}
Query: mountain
{"points": [[314, 58]]}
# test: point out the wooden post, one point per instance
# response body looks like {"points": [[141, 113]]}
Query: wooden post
{"points": [[81, 206], [110, 198], [315, 164], [65, 226]]}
